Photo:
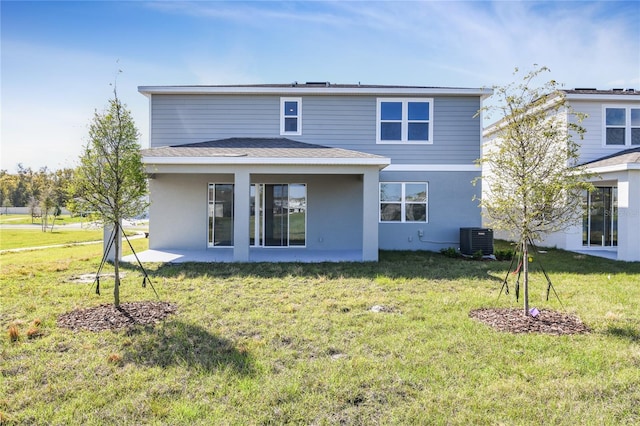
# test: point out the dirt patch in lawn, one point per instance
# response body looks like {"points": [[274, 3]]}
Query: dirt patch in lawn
{"points": [[514, 321], [91, 278], [108, 317]]}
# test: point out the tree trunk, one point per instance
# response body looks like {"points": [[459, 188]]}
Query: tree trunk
{"points": [[525, 271], [116, 266]]}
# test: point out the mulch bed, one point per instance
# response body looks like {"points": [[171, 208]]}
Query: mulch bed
{"points": [[108, 317], [513, 320]]}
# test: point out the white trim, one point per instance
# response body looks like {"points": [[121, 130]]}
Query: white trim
{"points": [[298, 117], [294, 90], [403, 202], [271, 161], [404, 121], [613, 168], [432, 168], [150, 127]]}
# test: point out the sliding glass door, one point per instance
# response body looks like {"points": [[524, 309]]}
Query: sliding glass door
{"points": [[278, 215], [600, 220], [220, 226]]}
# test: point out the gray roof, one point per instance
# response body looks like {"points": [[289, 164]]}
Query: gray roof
{"points": [[315, 88], [316, 84], [257, 148], [627, 156], [590, 91]]}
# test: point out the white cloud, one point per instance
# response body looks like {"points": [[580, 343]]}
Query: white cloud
{"points": [[49, 92]]}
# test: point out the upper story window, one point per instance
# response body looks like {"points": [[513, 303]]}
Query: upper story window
{"points": [[622, 126], [404, 120], [290, 116]]}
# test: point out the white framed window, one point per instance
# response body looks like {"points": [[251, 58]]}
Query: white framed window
{"points": [[404, 120], [404, 202], [622, 126], [290, 116]]}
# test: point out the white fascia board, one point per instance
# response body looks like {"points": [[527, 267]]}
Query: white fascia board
{"points": [[433, 168], [267, 161], [387, 91], [615, 168]]}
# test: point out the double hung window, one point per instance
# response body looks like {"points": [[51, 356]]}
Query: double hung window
{"points": [[404, 120], [404, 202], [622, 126], [290, 116]]}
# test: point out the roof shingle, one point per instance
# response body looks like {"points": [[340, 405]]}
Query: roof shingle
{"points": [[255, 148], [627, 156]]}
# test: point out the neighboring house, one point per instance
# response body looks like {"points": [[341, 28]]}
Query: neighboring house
{"points": [[312, 171], [610, 149]]}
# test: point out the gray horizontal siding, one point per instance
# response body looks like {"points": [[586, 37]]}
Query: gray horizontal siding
{"points": [[592, 146], [180, 119], [339, 121]]}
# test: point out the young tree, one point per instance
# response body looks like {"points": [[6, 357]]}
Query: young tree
{"points": [[110, 179], [534, 184], [47, 203]]}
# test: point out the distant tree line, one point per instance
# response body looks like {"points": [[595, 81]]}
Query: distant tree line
{"points": [[44, 191]]}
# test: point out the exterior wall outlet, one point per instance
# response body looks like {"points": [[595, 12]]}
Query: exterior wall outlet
{"points": [[420, 233]]}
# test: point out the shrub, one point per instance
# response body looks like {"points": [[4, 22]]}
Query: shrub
{"points": [[503, 254], [450, 252]]}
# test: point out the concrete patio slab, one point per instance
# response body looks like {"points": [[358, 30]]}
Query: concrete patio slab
{"points": [[225, 255]]}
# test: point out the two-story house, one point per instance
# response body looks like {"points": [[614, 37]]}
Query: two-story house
{"points": [[610, 149], [310, 172]]}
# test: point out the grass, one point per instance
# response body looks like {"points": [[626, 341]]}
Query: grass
{"points": [[297, 344], [14, 238], [26, 219], [21, 238]]}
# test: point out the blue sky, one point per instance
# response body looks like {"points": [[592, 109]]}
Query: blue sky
{"points": [[59, 59]]}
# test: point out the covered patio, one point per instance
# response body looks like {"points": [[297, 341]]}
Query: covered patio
{"points": [[269, 200]]}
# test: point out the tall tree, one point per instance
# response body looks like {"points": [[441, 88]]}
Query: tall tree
{"points": [[534, 184], [110, 179]]}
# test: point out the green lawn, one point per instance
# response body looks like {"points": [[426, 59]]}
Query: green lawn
{"points": [[297, 344], [21, 238], [25, 219]]}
